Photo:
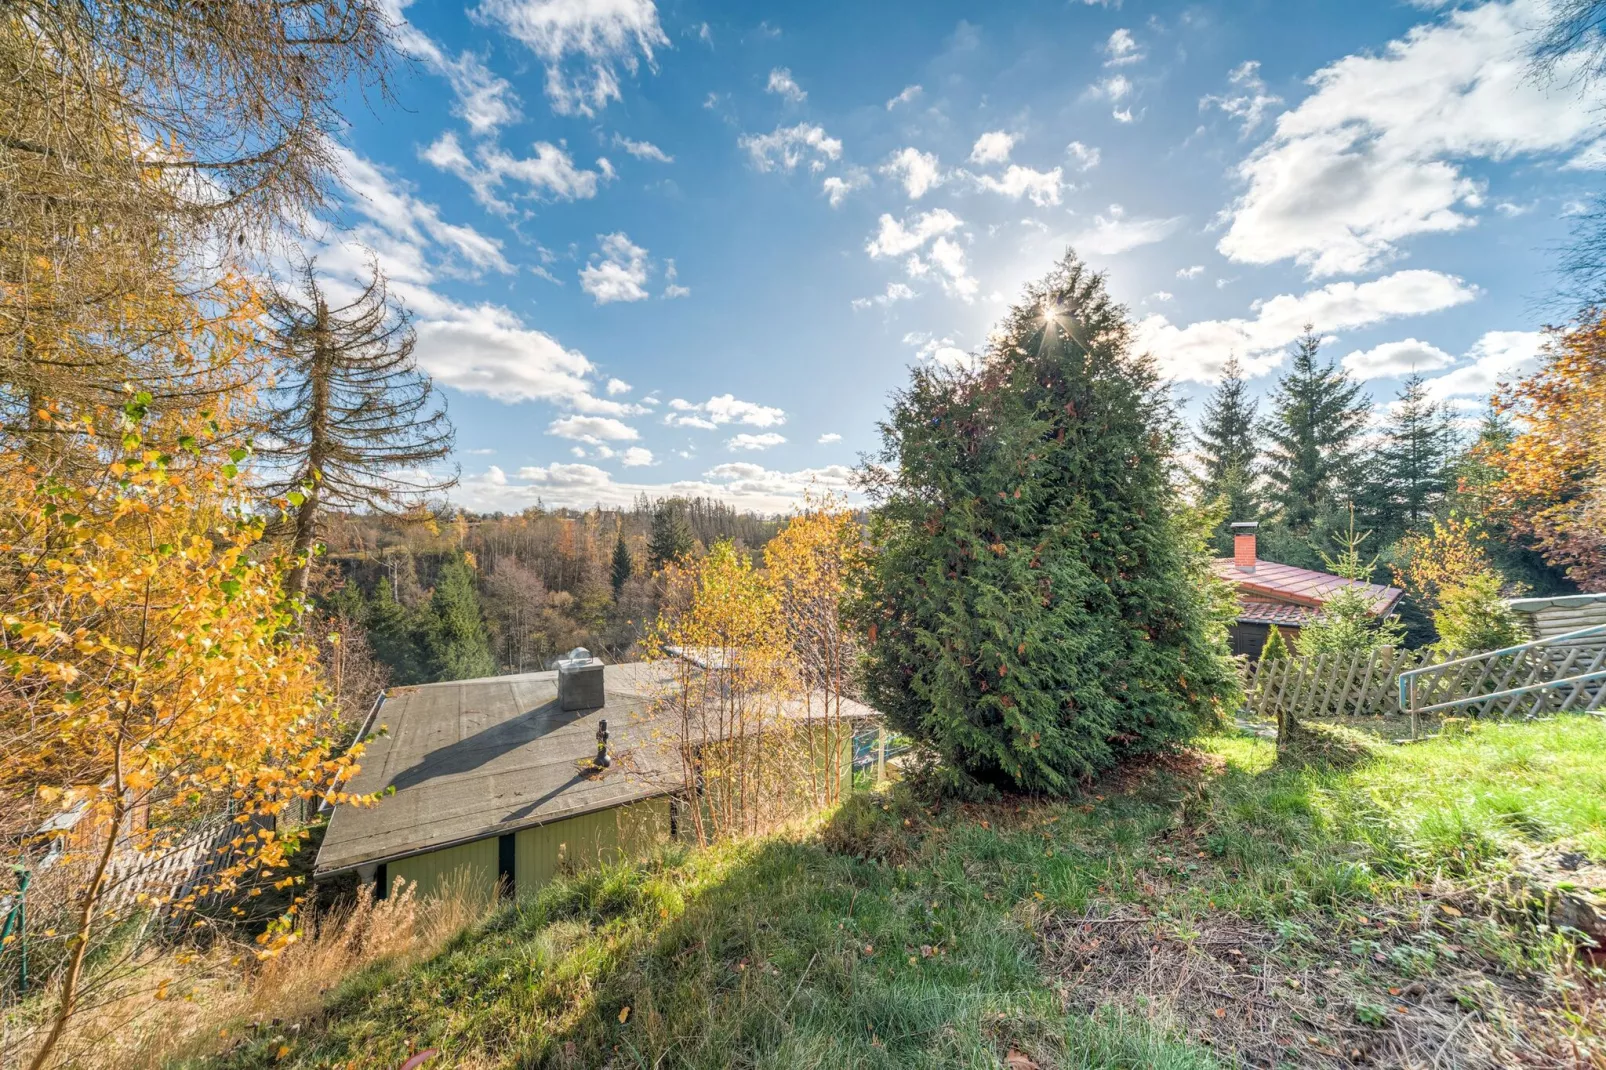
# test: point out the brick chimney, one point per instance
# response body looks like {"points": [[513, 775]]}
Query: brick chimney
{"points": [[1243, 544]]}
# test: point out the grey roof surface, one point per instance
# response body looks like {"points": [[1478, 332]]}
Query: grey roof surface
{"points": [[474, 758], [1563, 601]]}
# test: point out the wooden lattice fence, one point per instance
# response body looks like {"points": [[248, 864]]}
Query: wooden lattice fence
{"points": [[1367, 683]]}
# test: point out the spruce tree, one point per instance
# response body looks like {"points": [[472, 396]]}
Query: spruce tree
{"points": [[1411, 473], [459, 646], [1036, 609], [1227, 454], [671, 537], [622, 567], [1318, 415], [351, 419], [393, 631]]}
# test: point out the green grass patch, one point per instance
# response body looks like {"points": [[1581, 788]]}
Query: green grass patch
{"points": [[892, 935]]}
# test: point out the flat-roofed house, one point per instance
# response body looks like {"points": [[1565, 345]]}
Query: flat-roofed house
{"points": [[495, 780], [1282, 596]]}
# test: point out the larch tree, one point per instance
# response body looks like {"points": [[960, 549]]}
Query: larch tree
{"points": [[1037, 607], [143, 145], [1228, 453], [351, 423], [1318, 415], [1552, 485]]}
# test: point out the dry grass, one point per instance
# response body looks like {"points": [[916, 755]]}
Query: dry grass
{"points": [[181, 1003]]}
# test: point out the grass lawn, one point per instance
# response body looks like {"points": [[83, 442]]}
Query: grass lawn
{"points": [[1215, 909]]}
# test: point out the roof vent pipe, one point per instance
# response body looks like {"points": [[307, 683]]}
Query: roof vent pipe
{"points": [[1243, 544], [580, 681]]}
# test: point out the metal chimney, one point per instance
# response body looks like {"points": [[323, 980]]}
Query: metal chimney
{"points": [[580, 681]]}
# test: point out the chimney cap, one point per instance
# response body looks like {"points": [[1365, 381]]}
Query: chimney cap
{"points": [[1246, 525]]}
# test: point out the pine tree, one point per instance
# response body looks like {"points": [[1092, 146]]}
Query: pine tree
{"points": [[1411, 469], [622, 567], [1036, 609], [1276, 648], [1318, 415], [1228, 454], [671, 537], [459, 647], [350, 413]]}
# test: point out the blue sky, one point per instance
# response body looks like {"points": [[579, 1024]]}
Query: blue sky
{"points": [[692, 247]]}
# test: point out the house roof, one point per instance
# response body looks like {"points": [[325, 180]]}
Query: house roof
{"points": [[1301, 586], [475, 758], [1563, 601], [1251, 611]]}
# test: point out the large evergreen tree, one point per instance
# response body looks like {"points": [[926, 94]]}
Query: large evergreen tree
{"points": [[1227, 454], [1318, 415], [459, 646], [1037, 610], [1411, 471], [671, 537]]}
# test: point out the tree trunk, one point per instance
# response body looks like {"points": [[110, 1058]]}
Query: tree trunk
{"points": [[306, 536]]}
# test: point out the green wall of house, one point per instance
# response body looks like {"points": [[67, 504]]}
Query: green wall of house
{"points": [[539, 853]]}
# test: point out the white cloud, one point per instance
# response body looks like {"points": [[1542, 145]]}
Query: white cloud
{"points": [[617, 273], [618, 386], [787, 146], [673, 289], [636, 457], [910, 92], [1114, 233], [1162, 296], [939, 350], [829, 437], [837, 187], [1190, 272], [592, 429], [1121, 49], [1376, 154], [949, 258], [1498, 356], [549, 174], [1396, 358], [741, 484], [642, 150], [992, 147], [722, 409], [1247, 101], [896, 238], [584, 44], [486, 350], [1198, 351], [1043, 187], [404, 217], [783, 85], [918, 171], [1115, 88], [484, 99], [896, 291], [1085, 156], [745, 441]]}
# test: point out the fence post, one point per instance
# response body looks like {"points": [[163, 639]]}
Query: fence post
{"points": [[1411, 687]]}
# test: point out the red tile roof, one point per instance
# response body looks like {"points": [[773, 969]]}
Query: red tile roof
{"points": [[1301, 586], [1253, 612]]}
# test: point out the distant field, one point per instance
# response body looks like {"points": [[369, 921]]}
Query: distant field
{"points": [[1215, 909]]}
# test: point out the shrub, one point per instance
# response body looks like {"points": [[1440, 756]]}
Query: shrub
{"points": [[1040, 605]]}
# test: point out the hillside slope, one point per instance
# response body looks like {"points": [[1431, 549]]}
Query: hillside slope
{"points": [[1214, 903]]}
